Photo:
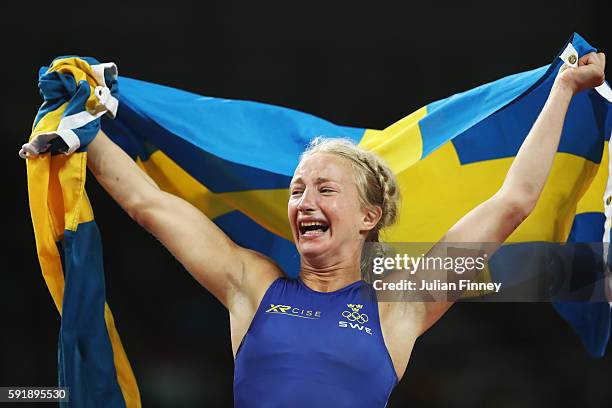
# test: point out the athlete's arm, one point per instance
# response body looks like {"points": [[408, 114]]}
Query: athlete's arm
{"points": [[214, 260], [495, 219]]}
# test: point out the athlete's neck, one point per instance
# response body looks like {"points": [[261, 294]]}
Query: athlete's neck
{"points": [[330, 279]]}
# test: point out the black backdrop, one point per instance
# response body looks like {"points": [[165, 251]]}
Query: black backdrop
{"points": [[354, 63]]}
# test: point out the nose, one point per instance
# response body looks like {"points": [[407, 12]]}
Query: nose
{"points": [[307, 201]]}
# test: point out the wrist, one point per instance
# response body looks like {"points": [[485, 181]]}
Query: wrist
{"points": [[563, 87]]}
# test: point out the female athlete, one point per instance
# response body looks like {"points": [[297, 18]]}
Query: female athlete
{"points": [[317, 340]]}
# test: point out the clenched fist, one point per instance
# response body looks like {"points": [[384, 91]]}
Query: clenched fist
{"points": [[588, 74]]}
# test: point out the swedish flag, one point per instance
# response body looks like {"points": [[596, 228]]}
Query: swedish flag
{"points": [[91, 361], [234, 159]]}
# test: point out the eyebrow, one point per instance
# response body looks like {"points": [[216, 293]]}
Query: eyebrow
{"points": [[318, 181]]}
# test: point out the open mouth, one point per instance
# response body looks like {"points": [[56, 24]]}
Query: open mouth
{"points": [[311, 228]]}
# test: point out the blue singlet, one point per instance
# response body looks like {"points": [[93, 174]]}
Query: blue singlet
{"points": [[313, 349]]}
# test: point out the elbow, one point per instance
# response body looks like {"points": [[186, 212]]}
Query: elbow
{"points": [[140, 210], [518, 212], [518, 208], [520, 202]]}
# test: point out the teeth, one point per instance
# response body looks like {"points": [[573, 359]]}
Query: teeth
{"points": [[311, 224], [312, 227]]}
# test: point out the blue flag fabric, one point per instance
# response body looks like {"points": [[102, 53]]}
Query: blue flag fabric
{"points": [[234, 159], [91, 361]]}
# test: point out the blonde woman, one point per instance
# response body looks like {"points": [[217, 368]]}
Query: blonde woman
{"points": [[317, 340]]}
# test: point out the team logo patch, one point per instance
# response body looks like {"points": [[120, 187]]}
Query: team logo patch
{"points": [[355, 319], [353, 315]]}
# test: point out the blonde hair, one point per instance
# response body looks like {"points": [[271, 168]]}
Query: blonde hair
{"points": [[375, 181]]}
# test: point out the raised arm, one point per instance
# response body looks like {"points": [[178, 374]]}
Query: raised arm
{"points": [[490, 223], [495, 219], [214, 260]]}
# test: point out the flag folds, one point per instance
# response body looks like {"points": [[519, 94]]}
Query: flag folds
{"points": [[234, 159], [91, 360]]}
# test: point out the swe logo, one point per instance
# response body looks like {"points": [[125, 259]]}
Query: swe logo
{"points": [[354, 319]]}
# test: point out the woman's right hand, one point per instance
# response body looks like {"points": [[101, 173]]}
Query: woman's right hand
{"points": [[589, 73]]}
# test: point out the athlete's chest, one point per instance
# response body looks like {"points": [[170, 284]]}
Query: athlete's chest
{"points": [[296, 333], [358, 318], [312, 325]]}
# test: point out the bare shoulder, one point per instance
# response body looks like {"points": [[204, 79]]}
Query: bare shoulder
{"points": [[256, 274]]}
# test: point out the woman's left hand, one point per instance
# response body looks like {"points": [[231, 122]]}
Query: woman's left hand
{"points": [[588, 74]]}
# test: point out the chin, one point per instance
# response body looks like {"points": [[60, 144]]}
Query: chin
{"points": [[312, 250]]}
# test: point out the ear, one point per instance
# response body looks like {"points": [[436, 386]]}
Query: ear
{"points": [[371, 217]]}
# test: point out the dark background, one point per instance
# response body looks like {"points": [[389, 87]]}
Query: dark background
{"points": [[354, 63]]}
